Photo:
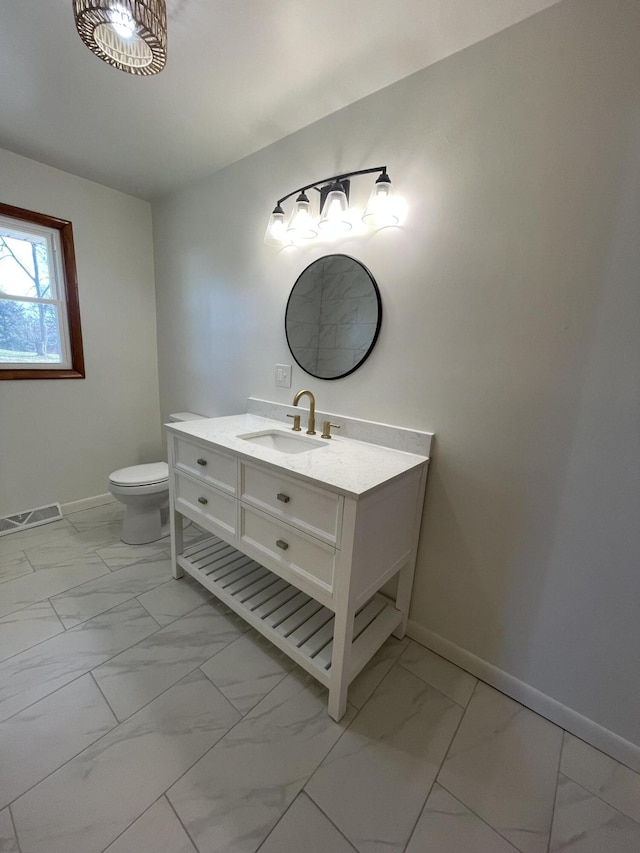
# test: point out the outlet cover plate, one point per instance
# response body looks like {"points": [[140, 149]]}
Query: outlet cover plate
{"points": [[283, 376]]}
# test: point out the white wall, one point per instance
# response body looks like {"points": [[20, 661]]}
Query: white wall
{"points": [[60, 439], [511, 328]]}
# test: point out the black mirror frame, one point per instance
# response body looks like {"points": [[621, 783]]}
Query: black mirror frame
{"points": [[378, 324]]}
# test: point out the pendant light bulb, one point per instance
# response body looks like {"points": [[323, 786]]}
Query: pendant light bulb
{"points": [[334, 216], [122, 22], [380, 211], [301, 225], [276, 233]]}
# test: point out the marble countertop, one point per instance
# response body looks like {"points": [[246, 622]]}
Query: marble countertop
{"points": [[343, 465]]}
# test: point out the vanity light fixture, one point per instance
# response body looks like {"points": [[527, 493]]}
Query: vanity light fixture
{"points": [[334, 209], [128, 34]]}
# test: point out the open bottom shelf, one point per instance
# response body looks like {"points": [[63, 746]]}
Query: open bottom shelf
{"points": [[293, 621]]}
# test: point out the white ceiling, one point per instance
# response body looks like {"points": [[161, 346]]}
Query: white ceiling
{"points": [[241, 74]]}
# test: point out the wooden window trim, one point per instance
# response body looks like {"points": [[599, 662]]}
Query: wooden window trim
{"points": [[65, 229]]}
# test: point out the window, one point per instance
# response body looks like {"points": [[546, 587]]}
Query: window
{"points": [[40, 335]]}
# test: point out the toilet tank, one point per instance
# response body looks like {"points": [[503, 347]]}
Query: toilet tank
{"points": [[177, 417]]}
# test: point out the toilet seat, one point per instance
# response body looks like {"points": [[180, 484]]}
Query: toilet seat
{"points": [[156, 473]]}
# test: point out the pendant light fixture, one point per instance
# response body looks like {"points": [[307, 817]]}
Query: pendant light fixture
{"points": [[335, 216], [128, 34]]}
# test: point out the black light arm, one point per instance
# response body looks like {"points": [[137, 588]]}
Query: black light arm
{"points": [[341, 177]]}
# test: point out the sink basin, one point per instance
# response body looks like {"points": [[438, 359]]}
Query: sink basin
{"points": [[284, 442]]}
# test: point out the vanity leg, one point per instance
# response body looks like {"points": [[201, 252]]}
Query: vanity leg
{"points": [[403, 599], [337, 703], [176, 543], [340, 663], [175, 518], [405, 575]]}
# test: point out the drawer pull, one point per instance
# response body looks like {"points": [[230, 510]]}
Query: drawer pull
{"points": [[282, 544], [203, 501], [202, 462], [284, 498]]}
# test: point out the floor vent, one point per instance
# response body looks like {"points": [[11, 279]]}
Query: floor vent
{"points": [[30, 518]]}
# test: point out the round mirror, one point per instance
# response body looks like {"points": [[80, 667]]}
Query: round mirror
{"points": [[333, 316]]}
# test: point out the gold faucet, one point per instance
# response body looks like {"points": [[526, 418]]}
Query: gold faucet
{"points": [[311, 427]]}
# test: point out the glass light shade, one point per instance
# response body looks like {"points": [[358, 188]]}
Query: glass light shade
{"points": [[380, 210], [302, 225], [334, 216], [276, 233], [128, 34]]}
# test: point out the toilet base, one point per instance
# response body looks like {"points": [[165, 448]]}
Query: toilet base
{"points": [[143, 525]]}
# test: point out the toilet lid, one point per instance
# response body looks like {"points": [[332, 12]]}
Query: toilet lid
{"points": [[141, 475]]}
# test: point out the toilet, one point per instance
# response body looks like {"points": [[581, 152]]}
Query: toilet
{"points": [[144, 490]]}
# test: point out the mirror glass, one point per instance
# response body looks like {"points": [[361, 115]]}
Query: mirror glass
{"points": [[333, 316]]}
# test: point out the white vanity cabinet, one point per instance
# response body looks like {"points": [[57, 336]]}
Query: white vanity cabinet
{"points": [[301, 560]]}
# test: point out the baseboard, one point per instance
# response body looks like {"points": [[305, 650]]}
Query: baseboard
{"points": [[622, 750], [87, 503]]}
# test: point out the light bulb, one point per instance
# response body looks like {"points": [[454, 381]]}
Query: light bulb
{"points": [[302, 225], [335, 210], [278, 230], [122, 22], [380, 210], [276, 233]]}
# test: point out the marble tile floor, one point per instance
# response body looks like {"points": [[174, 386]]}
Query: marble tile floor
{"points": [[139, 715]]}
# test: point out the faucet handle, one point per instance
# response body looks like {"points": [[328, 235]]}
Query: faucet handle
{"points": [[326, 429], [296, 422]]}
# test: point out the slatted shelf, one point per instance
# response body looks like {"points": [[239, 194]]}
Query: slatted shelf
{"points": [[292, 620]]}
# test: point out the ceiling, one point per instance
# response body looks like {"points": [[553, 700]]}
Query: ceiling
{"points": [[240, 75]]}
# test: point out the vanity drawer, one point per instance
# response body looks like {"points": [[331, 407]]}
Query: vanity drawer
{"points": [[207, 504], [316, 511], [280, 546], [209, 465]]}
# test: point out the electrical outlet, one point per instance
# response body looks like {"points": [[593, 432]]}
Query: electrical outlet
{"points": [[283, 376]]}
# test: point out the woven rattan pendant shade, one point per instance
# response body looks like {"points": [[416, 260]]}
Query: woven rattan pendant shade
{"points": [[128, 34]]}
